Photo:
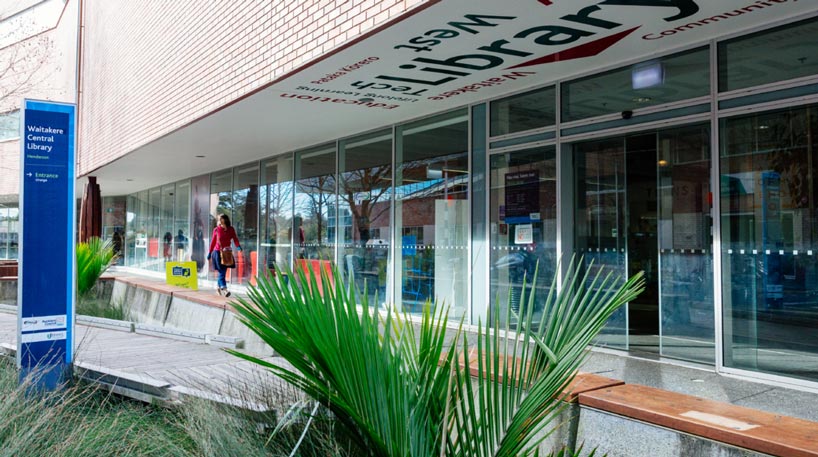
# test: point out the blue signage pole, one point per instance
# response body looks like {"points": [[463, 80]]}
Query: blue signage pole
{"points": [[46, 281]]}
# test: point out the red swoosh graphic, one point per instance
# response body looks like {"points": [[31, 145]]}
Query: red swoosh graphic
{"points": [[589, 49], [545, 2]]}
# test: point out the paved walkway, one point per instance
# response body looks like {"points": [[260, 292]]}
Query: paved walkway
{"points": [[151, 367], [170, 368]]}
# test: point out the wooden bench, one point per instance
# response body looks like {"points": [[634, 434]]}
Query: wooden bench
{"points": [[742, 427], [582, 382]]}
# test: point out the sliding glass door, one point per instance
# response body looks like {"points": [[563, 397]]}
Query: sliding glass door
{"points": [[643, 203]]}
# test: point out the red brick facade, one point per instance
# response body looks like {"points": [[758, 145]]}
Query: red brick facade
{"points": [[149, 68]]}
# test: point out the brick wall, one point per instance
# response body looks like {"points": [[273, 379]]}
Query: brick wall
{"points": [[149, 68]]}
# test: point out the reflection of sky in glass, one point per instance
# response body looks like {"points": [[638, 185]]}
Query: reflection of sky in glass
{"points": [[406, 190]]}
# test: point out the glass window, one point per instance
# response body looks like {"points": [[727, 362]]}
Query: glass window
{"points": [[245, 221], [521, 112], [523, 227], [152, 222], [4, 233], [9, 125], [113, 224], [200, 224], [769, 233], [9, 230], [431, 212], [130, 232], [221, 202], [315, 204], [276, 217], [480, 255], [766, 57], [166, 223], [181, 222], [663, 80], [365, 171], [136, 239]]}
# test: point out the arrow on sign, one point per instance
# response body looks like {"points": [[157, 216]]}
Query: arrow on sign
{"points": [[28, 174]]}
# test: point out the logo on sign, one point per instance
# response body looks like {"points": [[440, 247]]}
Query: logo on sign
{"points": [[181, 271], [584, 27], [56, 322]]}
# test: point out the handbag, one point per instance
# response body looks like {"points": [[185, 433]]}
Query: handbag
{"points": [[227, 258]]}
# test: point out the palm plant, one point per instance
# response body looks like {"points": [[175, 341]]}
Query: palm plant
{"points": [[93, 258], [398, 390]]}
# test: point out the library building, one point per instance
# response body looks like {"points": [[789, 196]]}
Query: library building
{"points": [[450, 150]]}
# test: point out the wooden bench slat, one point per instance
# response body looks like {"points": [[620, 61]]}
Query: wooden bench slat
{"points": [[582, 382], [735, 425]]}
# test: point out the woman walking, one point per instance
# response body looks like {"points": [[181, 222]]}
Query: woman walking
{"points": [[221, 251]]}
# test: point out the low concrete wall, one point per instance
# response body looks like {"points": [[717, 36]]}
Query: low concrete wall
{"points": [[617, 436], [8, 291], [185, 314], [253, 344], [159, 308], [565, 430]]}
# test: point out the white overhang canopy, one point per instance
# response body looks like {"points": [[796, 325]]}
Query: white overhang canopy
{"points": [[443, 55]]}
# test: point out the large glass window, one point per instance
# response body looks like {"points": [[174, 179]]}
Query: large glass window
{"points": [[245, 221], [200, 224], [766, 57], [365, 171], [770, 241], [526, 111], [523, 212], [315, 221], [136, 239], [276, 217], [431, 212], [155, 262], [113, 224], [166, 223], [655, 82]]}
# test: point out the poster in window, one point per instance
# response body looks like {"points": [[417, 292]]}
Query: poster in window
{"points": [[522, 196]]}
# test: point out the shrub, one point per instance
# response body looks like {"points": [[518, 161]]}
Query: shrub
{"points": [[93, 258], [81, 420], [400, 391]]}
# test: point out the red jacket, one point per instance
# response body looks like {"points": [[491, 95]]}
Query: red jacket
{"points": [[221, 238]]}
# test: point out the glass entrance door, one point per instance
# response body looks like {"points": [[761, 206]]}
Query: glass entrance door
{"points": [[643, 203]]}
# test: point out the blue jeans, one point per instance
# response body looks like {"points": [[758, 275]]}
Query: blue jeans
{"points": [[216, 258]]}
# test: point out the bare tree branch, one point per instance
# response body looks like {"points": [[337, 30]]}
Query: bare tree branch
{"points": [[24, 70]]}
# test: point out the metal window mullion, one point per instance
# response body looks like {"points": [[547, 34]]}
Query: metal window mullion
{"points": [[393, 263], [715, 210], [337, 187], [295, 169], [487, 202]]}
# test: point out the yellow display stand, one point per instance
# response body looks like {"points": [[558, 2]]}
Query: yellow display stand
{"points": [[182, 274]]}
